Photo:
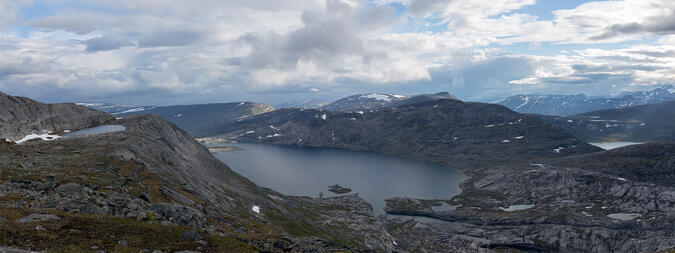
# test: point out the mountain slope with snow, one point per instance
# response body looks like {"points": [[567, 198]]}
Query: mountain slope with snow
{"points": [[445, 131], [372, 101], [562, 105]]}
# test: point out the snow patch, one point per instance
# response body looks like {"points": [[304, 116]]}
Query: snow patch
{"points": [[516, 208], [377, 97], [359, 112], [44, 137], [519, 137], [90, 104], [255, 209], [489, 125], [506, 141], [624, 216], [527, 100], [323, 116]]}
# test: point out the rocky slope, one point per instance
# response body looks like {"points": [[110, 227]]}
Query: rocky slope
{"points": [[574, 104], [570, 205], [644, 123], [152, 186], [447, 132], [372, 101], [21, 116]]}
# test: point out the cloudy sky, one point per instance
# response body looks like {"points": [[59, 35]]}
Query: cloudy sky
{"points": [[197, 51]]}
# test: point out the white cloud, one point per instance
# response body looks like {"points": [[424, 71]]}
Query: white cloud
{"points": [[256, 46], [9, 11]]}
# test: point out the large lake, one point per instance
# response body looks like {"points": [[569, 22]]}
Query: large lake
{"points": [[305, 171]]}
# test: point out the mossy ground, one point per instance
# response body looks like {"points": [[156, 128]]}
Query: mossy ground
{"points": [[78, 233]]}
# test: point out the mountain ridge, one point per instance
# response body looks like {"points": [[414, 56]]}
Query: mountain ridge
{"points": [[562, 105], [428, 131], [642, 123]]}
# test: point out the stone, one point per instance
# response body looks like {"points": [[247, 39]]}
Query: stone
{"points": [[38, 217], [179, 214], [190, 235]]}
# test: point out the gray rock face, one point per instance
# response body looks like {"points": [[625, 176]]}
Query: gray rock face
{"points": [[38, 217], [22, 116], [569, 208], [190, 235], [179, 214]]}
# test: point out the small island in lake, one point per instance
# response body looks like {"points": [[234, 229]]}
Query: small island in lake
{"points": [[337, 189]]}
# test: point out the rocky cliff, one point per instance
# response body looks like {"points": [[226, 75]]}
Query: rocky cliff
{"points": [[21, 116]]}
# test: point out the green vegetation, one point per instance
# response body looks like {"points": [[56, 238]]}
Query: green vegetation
{"points": [[77, 233]]}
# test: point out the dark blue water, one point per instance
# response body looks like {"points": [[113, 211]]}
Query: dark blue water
{"points": [[309, 171]]}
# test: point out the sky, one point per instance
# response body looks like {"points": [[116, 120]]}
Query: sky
{"points": [[160, 52]]}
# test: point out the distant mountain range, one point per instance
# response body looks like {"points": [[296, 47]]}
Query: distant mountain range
{"points": [[115, 109], [562, 105], [372, 101], [304, 103], [644, 123], [193, 118]]}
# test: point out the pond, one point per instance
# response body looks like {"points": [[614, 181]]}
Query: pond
{"points": [[303, 171], [97, 130]]}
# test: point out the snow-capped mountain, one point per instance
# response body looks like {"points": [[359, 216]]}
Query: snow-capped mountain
{"points": [[574, 104], [375, 100], [116, 109], [304, 104]]}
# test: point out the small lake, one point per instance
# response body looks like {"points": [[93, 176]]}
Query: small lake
{"points": [[97, 130], [302, 171]]}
